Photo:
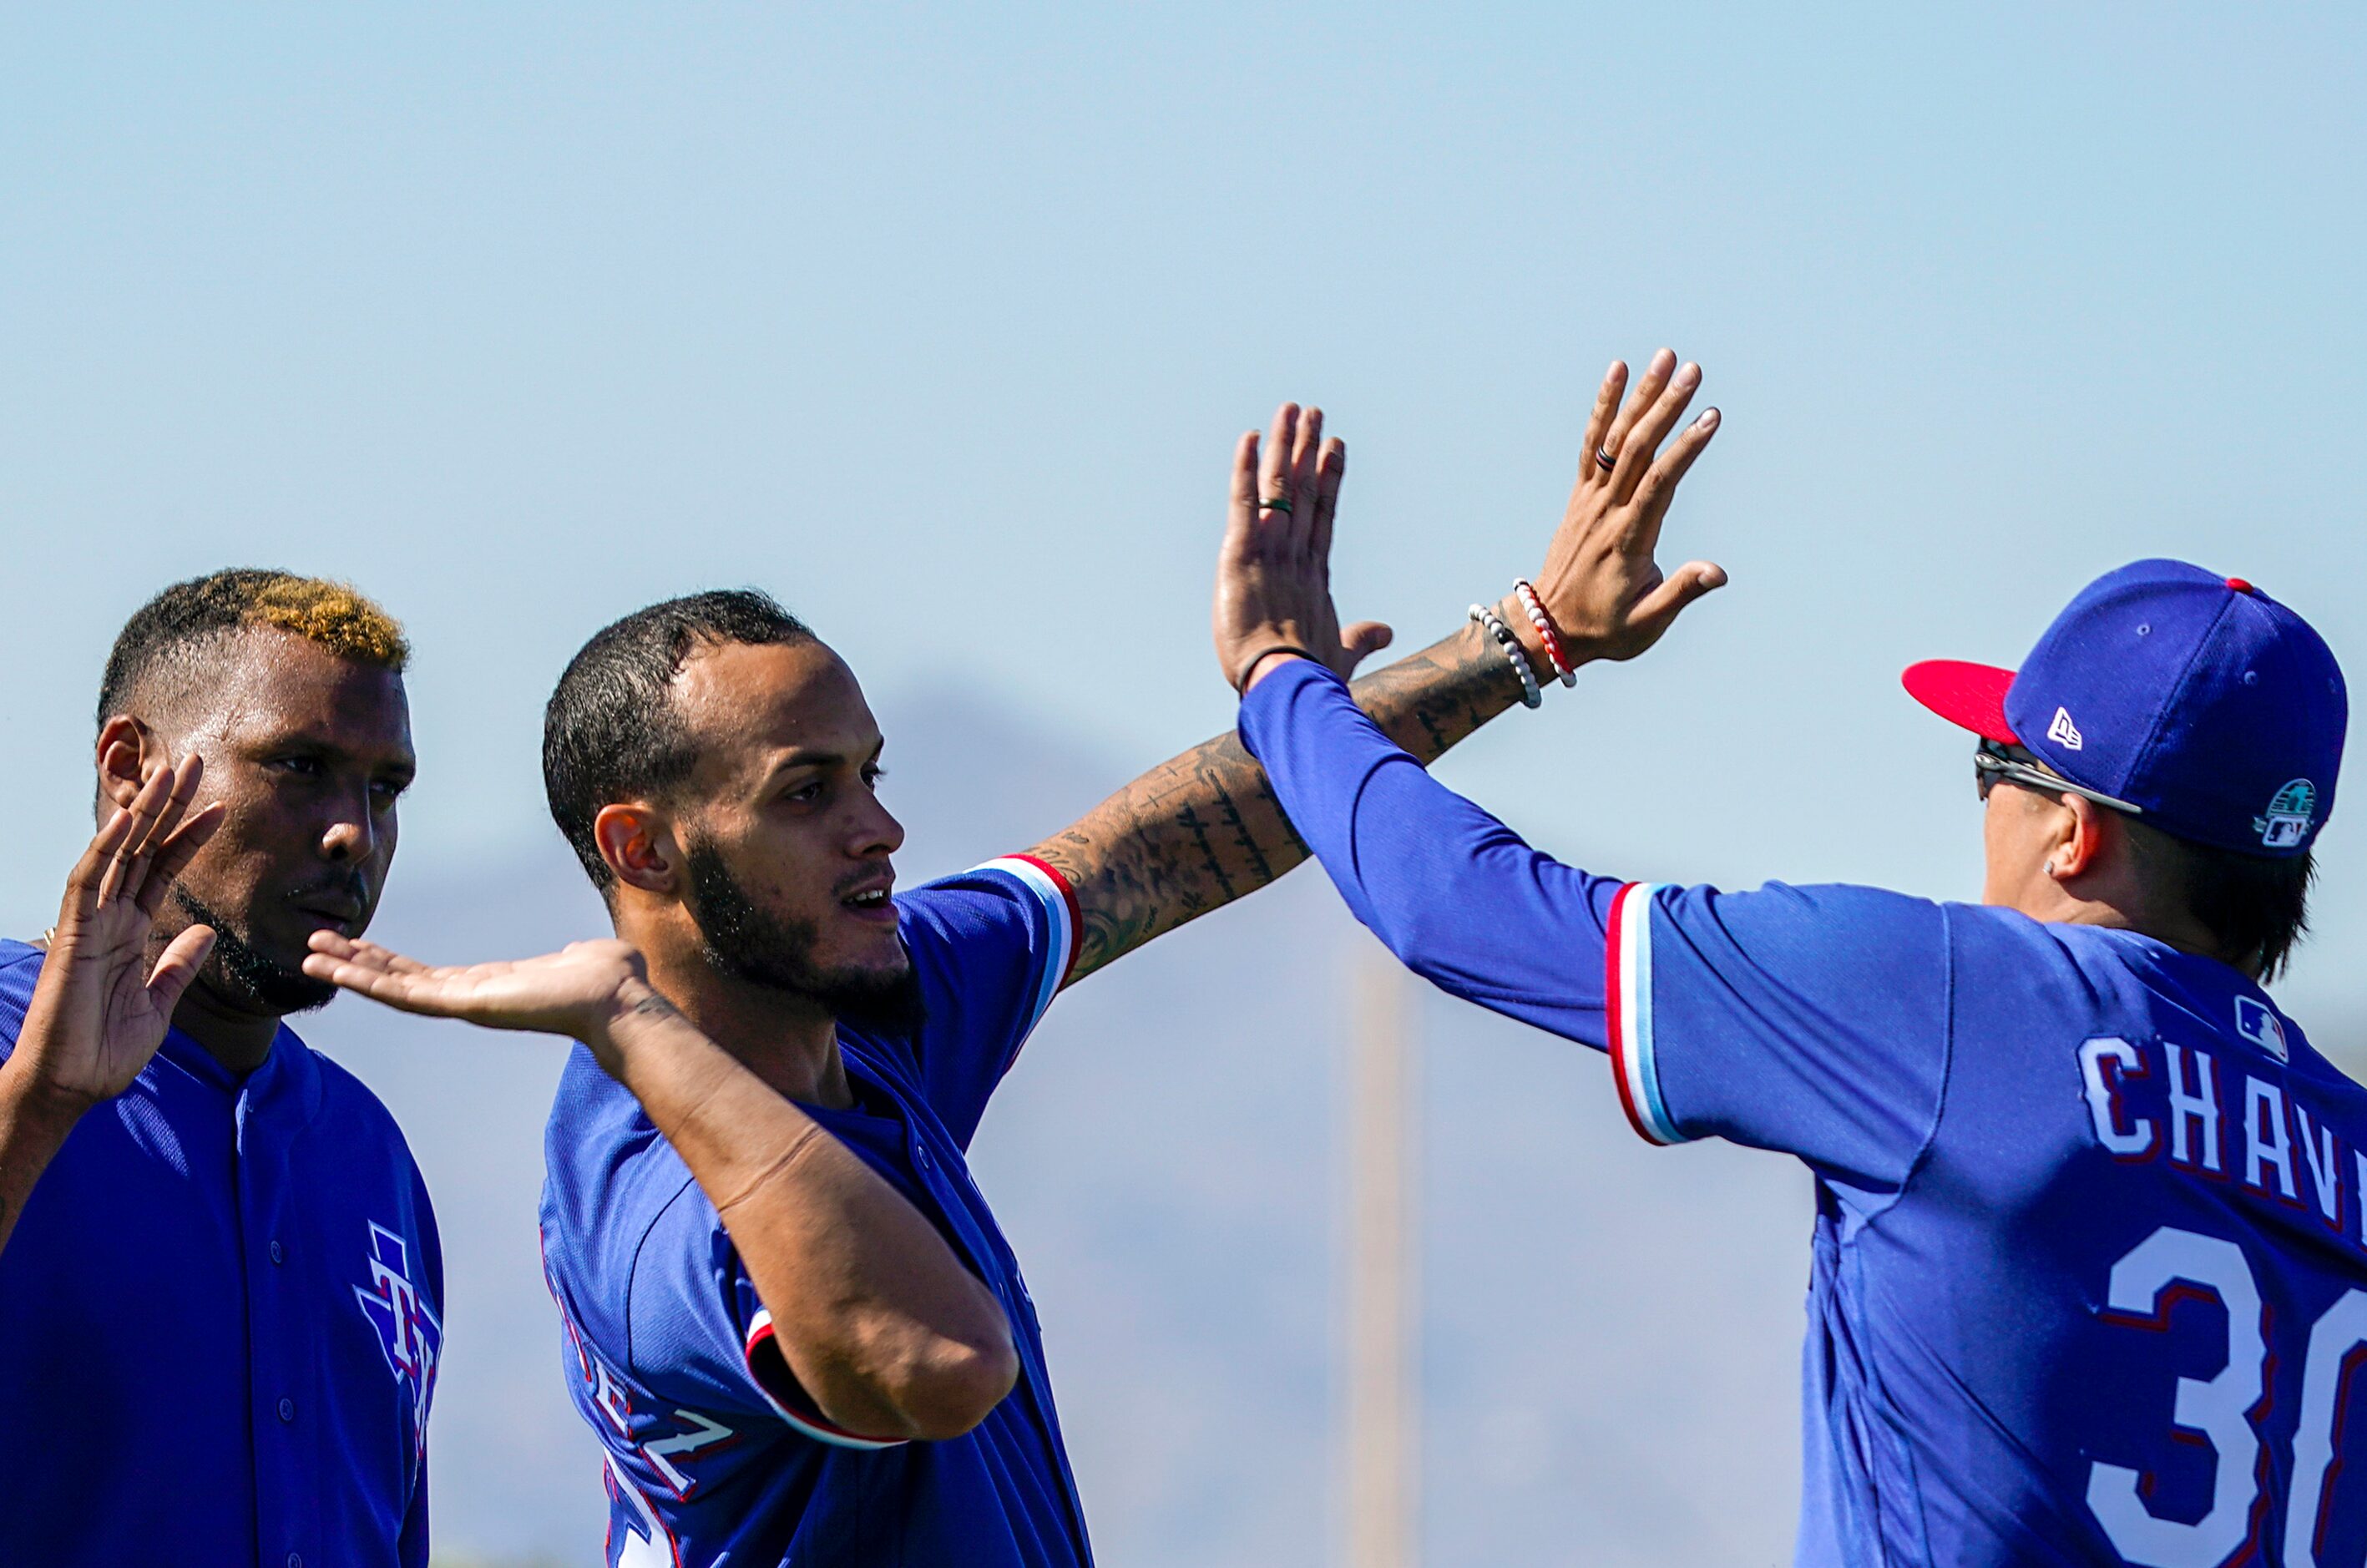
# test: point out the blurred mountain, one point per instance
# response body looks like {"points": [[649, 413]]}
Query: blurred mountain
{"points": [[1611, 1350]]}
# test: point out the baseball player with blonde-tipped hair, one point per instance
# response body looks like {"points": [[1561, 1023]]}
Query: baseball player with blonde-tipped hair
{"points": [[220, 1281]]}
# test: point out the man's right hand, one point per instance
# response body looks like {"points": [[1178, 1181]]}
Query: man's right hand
{"points": [[101, 1010], [584, 990]]}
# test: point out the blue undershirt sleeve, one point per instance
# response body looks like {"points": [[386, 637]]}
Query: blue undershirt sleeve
{"points": [[1455, 894], [1809, 1020]]}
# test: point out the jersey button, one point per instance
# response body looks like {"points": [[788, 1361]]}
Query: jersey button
{"points": [[278, 1255], [295, 1559], [921, 1156], [287, 1410]]}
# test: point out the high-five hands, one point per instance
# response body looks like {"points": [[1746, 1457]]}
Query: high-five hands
{"points": [[580, 991], [100, 1009], [1274, 573], [1601, 587]]}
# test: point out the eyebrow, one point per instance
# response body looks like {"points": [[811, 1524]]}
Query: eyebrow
{"points": [[313, 741], [809, 756]]}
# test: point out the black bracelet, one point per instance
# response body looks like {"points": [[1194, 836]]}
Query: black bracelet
{"points": [[1502, 635], [1249, 666]]}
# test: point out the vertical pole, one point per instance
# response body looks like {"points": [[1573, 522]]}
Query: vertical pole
{"points": [[1383, 1413]]}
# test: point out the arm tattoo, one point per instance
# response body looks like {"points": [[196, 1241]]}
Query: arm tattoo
{"points": [[1202, 829], [655, 1005]]}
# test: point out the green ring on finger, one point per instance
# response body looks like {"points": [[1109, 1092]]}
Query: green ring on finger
{"points": [[1275, 504]]}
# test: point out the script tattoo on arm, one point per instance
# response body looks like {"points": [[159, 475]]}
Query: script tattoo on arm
{"points": [[1200, 830]]}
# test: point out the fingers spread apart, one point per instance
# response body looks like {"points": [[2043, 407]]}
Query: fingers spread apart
{"points": [[1641, 442], [1658, 489], [1655, 381]]}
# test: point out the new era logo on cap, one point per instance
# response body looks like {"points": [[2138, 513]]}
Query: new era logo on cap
{"points": [[2216, 711]]}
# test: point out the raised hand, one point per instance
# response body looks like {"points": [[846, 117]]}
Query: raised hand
{"points": [[579, 990], [1273, 572], [1605, 594], [99, 1009]]}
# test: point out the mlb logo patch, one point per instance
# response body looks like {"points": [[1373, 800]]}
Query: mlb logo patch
{"points": [[2261, 1026], [2291, 812]]}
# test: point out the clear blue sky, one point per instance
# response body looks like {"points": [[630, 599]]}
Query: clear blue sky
{"points": [[938, 322]]}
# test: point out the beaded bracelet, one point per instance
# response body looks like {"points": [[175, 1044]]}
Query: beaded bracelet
{"points": [[1527, 593], [1530, 695]]}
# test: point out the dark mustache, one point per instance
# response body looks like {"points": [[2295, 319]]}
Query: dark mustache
{"points": [[354, 890]]}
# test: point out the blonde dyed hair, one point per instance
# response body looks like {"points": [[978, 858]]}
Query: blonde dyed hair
{"points": [[168, 630], [337, 615]]}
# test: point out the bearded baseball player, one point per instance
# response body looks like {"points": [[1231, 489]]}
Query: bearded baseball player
{"points": [[221, 1291], [2088, 1282], [790, 1315]]}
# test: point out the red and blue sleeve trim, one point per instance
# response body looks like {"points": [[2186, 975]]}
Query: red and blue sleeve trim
{"points": [[1628, 985], [1059, 901], [808, 1421]]}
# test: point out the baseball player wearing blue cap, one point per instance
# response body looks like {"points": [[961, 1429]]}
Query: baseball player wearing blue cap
{"points": [[2088, 1281]]}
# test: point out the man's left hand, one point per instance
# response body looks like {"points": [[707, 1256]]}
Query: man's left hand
{"points": [[1274, 573]]}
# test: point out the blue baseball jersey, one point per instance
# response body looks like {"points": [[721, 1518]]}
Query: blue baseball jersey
{"points": [[220, 1322], [714, 1456], [2089, 1280]]}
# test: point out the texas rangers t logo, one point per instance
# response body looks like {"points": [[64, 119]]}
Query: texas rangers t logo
{"points": [[407, 1331]]}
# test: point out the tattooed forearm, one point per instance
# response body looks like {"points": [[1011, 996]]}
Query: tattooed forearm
{"points": [[1202, 829]]}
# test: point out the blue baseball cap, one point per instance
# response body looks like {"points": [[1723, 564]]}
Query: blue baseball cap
{"points": [[2214, 710]]}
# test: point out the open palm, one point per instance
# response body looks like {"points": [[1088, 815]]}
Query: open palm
{"points": [[573, 992], [101, 1010]]}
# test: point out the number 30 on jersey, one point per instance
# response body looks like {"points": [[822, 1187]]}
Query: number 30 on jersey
{"points": [[2173, 1261]]}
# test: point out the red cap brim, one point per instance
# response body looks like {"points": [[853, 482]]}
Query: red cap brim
{"points": [[1970, 694]]}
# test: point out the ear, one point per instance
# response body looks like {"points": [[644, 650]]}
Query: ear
{"points": [[128, 754], [637, 842], [2081, 841]]}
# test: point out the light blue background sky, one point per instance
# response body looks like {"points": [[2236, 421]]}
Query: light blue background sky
{"points": [[939, 321]]}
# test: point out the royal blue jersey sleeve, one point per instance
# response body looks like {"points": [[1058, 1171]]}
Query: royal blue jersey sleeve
{"points": [[990, 948], [1812, 1021], [1808, 1020]]}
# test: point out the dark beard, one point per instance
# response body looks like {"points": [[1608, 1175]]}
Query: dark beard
{"points": [[242, 972], [751, 944]]}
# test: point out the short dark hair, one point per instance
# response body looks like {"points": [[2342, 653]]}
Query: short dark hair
{"points": [[2255, 906], [613, 732], [170, 626]]}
